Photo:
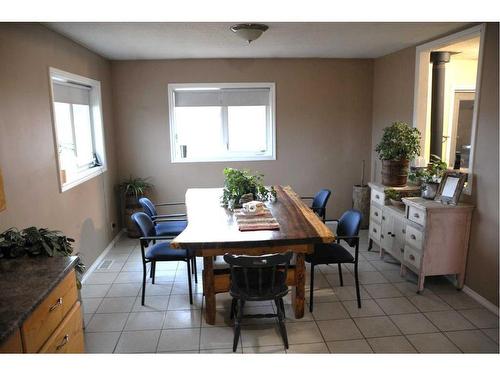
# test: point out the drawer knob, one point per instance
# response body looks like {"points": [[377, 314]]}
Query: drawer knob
{"points": [[381, 236], [416, 215], [404, 231], [402, 250], [57, 304], [376, 214], [412, 258], [374, 230], [413, 237], [393, 235], [64, 341], [377, 196], [383, 217], [389, 233]]}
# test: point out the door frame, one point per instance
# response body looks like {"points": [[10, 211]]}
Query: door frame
{"points": [[421, 113]]}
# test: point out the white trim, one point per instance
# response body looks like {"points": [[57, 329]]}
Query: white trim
{"points": [[271, 137], [60, 76], [101, 257], [481, 300], [422, 56]]}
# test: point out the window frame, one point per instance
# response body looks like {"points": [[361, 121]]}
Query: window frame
{"points": [[234, 156], [96, 122]]}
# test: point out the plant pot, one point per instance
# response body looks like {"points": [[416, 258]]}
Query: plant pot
{"points": [[396, 203], [131, 206], [429, 190], [395, 172]]}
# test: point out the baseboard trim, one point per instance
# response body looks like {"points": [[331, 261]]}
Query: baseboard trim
{"points": [[480, 299], [102, 256]]}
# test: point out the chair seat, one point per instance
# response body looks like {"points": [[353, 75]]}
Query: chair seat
{"points": [[330, 253], [170, 228], [163, 251], [239, 290]]}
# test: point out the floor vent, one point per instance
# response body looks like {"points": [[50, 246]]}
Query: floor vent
{"points": [[105, 265]]}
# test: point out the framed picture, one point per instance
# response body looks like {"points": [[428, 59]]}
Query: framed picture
{"points": [[450, 187]]}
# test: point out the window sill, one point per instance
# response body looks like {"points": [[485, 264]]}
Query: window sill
{"points": [[225, 159], [82, 177]]}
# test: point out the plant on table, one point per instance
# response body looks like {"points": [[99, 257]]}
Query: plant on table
{"points": [[240, 183], [34, 242], [429, 177], [400, 143]]}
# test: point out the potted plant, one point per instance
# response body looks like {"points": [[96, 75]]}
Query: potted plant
{"points": [[241, 186], [394, 197], [34, 241], [400, 143], [131, 190], [430, 177]]}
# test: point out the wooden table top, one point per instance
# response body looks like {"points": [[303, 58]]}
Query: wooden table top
{"points": [[211, 226]]}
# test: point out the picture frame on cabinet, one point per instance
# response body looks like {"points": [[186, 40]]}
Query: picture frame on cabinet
{"points": [[450, 188]]}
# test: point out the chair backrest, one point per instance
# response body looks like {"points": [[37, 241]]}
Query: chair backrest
{"points": [[349, 224], [257, 276], [148, 207], [319, 202], [144, 224]]}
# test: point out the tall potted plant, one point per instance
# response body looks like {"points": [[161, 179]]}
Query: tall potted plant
{"points": [[131, 190], [400, 143]]}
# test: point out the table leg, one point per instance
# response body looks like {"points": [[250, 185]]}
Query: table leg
{"points": [[460, 280], [298, 292], [209, 289]]}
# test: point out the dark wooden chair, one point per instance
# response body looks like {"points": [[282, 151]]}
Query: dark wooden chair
{"points": [[319, 202], [258, 278], [153, 252], [335, 253]]}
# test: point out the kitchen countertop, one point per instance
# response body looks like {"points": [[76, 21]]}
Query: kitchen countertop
{"points": [[24, 283]]}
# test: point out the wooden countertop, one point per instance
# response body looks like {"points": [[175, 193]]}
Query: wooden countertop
{"points": [[24, 283]]}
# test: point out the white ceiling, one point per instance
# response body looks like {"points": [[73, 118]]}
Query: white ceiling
{"points": [[131, 41]]}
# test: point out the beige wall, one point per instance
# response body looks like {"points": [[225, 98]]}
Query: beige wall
{"points": [[322, 123], [394, 77], [393, 82], [27, 156]]}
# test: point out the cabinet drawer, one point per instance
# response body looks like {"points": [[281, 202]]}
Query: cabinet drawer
{"points": [[414, 237], [416, 215], [12, 344], [68, 337], [376, 213], [375, 231], [49, 314], [412, 257], [378, 197]]}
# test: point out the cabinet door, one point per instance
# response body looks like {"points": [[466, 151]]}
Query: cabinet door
{"points": [[386, 239], [398, 236]]}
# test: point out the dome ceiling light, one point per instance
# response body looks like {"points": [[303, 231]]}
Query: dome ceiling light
{"points": [[249, 31]]}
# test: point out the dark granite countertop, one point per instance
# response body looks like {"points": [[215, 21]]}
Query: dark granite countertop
{"points": [[24, 283]]}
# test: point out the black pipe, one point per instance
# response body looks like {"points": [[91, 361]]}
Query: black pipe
{"points": [[438, 60]]}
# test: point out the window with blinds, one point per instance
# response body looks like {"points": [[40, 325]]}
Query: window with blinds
{"points": [[222, 122], [77, 126]]}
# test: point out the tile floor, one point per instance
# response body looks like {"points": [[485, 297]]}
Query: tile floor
{"points": [[393, 318]]}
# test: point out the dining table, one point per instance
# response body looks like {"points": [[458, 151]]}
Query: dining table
{"points": [[213, 230]]}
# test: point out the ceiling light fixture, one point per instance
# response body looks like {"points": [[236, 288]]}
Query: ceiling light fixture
{"points": [[249, 31]]}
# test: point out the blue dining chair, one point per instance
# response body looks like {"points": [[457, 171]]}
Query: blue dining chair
{"points": [[166, 225], [319, 202], [335, 253], [153, 252]]}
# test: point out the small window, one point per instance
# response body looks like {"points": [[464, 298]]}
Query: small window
{"points": [[77, 127], [222, 122]]}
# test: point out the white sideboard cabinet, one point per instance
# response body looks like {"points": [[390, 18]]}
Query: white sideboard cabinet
{"points": [[427, 237]]}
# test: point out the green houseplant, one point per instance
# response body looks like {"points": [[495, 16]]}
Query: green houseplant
{"points": [[400, 143], [130, 191], [429, 177], [34, 242], [241, 186]]}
